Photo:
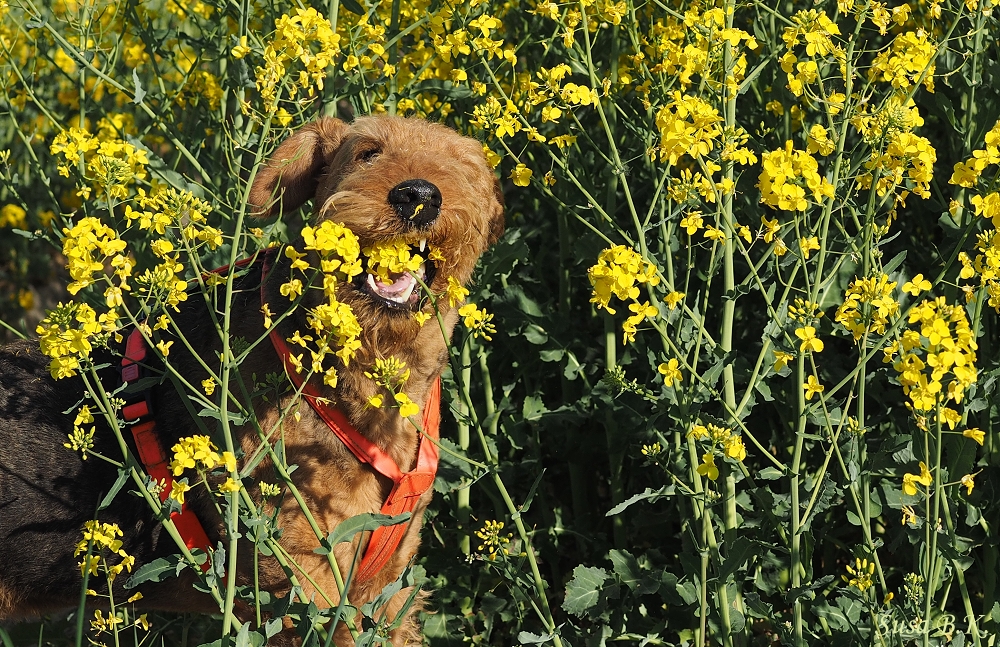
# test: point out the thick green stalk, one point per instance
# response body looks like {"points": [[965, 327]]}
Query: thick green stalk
{"points": [[463, 507], [796, 538], [730, 516], [616, 451], [931, 523]]}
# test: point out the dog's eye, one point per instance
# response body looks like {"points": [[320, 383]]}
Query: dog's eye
{"points": [[367, 155]]}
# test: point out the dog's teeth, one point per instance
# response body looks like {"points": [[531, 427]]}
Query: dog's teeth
{"points": [[423, 244]]}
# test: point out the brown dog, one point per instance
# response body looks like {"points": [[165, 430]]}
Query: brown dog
{"points": [[385, 178]]}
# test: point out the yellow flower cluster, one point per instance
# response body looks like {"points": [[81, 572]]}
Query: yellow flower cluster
{"points": [[816, 30], [81, 439], [165, 207], [688, 126], [868, 306], [986, 265], [293, 41], [618, 272], [967, 173], [334, 324], [943, 337], [722, 440], [198, 452], [455, 292], [86, 246], [640, 312], [690, 47], [819, 141], [14, 216], [65, 335], [902, 64], [392, 374], [478, 321], [906, 157], [493, 541], [98, 537], [887, 121], [860, 574], [391, 257], [785, 177], [113, 164]]}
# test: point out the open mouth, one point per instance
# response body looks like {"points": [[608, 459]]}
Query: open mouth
{"points": [[402, 290]]}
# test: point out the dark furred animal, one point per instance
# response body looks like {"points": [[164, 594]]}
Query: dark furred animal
{"points": [[371, 176]]}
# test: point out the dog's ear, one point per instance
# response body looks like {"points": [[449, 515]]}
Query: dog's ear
{"points": [[291, 176], [496, 217]]}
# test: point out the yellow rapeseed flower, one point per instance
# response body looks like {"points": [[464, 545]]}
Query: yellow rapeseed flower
{"points": [[917, 285], [812, 387], [975, 434], [618, 272], [671, 372], [708, 467], [809, 340], [910, 481]]}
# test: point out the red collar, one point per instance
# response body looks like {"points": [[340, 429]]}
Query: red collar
{"points": [[407, 487]]}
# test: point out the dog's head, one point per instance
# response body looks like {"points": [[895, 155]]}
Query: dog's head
{"points": [[390, 179]]}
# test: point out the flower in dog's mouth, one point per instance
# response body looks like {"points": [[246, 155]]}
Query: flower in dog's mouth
{"points": [[402, 289], [395, 272]]}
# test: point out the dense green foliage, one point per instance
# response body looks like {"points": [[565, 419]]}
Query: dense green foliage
{"points": [[742, 388]]}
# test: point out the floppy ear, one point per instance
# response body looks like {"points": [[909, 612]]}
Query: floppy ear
{"points": [[291, 176], [496, 217]]}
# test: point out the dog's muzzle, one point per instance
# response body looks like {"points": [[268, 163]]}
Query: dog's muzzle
{"points": [[417, 202]]}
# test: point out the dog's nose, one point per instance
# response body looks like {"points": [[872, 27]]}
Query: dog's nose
{"points": [[417, 202]]}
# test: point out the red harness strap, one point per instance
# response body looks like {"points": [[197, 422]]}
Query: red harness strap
{"points": [[139, 415], [147, 444], [407, 487]]}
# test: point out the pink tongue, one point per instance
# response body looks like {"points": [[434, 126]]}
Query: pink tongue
{"points": [[401, 283]]}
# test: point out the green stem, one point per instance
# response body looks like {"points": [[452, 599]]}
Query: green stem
{"points": [[616, 453], [795, 485], [463, 507]]}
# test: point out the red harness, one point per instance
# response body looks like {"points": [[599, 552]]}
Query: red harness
{"points": [[407, 487], [147, 445]]}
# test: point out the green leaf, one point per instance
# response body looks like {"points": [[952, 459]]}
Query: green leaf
{"points": [[535, 334], [770, 474], [736, 556], [528, 638], [156, 570], [533, 408], [353, 6], [234, 417], [649, 494], [139, 92], [351, 526], [110, 496], [626, 567], [896, 261], [584, 591], [531, 492]]}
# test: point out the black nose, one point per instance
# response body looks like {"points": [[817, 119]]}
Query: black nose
{"points": [[417, 202]]}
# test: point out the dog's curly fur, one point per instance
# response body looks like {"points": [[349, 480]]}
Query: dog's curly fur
{"points": [[47, 491]]}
